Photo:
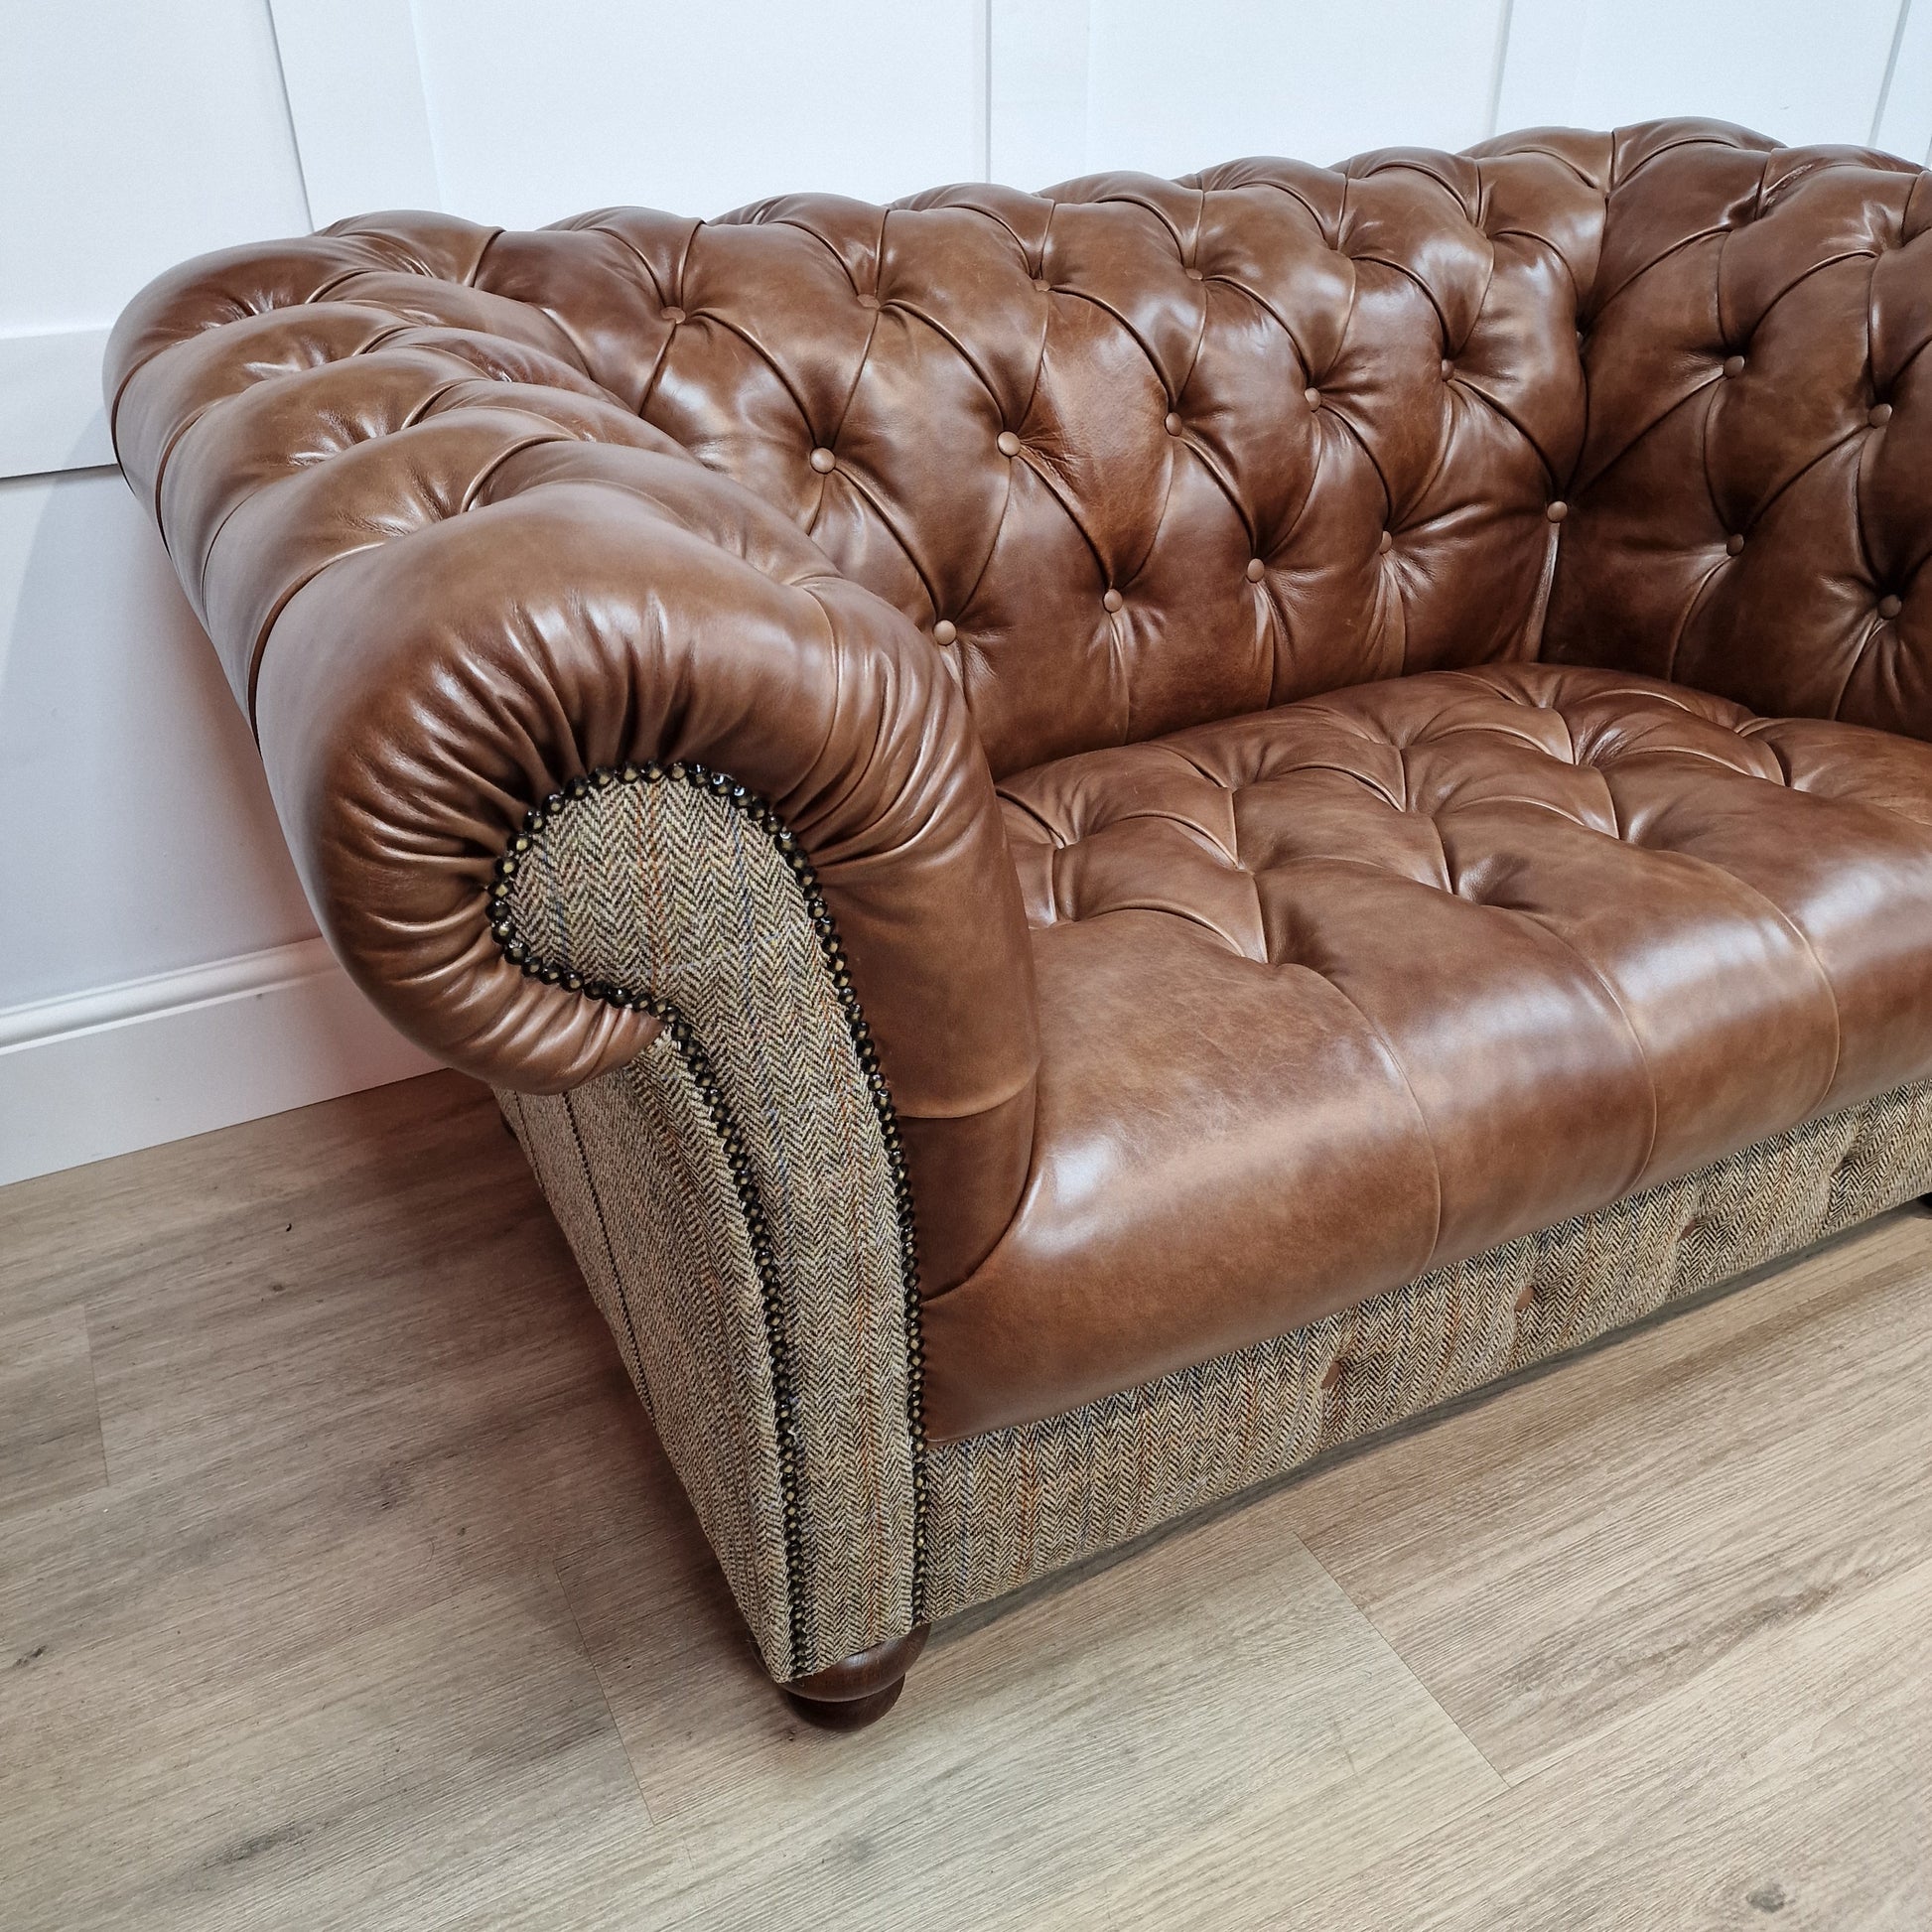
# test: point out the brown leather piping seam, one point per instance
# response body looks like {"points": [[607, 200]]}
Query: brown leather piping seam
{"points": [[698, 1064]]}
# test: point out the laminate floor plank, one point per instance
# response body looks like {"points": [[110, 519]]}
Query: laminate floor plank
{"points": [[63, 1236], [452, 1767], [50, 1424], [343, 1583], [1788, 1786], [1219, 1685], [1565, 1553]]}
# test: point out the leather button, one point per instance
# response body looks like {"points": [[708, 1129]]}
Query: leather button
{"points": [[1173, 424], [1009, 444], [1041, 284], [1889, 607], [1257, 570], [1556, 512], [1195, 275], [868, 301], [1112, 599], [945, 631], [1734, 366], [1735, 542], [1387, 543], [673, 315], [1879, 415], [822, 460], [1447, 368], [1313, 397]]}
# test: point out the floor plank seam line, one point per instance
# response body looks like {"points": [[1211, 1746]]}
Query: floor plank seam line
{"points": [[604, 1692], [93, 1387], [1503, 1784]]}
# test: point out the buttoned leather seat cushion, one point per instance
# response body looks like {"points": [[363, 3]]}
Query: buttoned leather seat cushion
{"points": [[1346, 989]]}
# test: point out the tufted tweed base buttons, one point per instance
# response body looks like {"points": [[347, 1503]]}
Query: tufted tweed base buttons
{"points": [[822, 460], [1257, 570], [1112, 599], [1009, 444], [945, 631], [1889, 607]]}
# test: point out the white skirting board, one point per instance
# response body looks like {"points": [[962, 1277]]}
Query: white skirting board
{"points": [[155, 1059]]}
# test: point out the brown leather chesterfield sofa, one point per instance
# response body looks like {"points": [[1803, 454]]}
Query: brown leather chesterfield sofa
{"points": [[1318, 774]]}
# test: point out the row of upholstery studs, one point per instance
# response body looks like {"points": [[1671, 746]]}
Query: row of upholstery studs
{"points": [[685, 1041]]}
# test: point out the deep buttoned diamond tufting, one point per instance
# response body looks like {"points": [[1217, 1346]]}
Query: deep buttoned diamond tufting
{"points": [[1690, 927]]}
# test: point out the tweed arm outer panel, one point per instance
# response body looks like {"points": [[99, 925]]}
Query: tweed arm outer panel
{"points": [[733, 1194]]}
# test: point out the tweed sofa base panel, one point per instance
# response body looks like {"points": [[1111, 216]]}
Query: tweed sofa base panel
{"points": [[1018, 1503]]}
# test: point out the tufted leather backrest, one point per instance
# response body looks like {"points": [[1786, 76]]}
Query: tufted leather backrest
{"points": [[1753, 506], [1135, 453]]}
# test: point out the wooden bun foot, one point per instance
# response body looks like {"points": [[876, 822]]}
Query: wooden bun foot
{"points": [[860, 1690]]}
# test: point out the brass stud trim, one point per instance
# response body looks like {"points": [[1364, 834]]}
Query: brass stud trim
{"points": [[677, 1027]]}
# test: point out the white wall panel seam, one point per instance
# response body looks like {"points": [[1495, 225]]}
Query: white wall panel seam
{"points": [[358, 108], [51, 413], [288, 111], [1504, 22], [1902, 123]]}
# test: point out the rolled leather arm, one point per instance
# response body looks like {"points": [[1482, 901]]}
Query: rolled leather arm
{"points": [[449, 576]]}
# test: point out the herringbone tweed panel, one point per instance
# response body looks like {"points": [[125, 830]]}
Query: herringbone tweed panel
{"points": [[780, 1394], [1021, 1502]]}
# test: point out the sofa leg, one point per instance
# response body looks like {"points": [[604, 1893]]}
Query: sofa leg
{"points": [[859, 1690]]}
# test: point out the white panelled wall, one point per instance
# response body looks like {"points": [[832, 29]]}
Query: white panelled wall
{"points": [[160, 973]]}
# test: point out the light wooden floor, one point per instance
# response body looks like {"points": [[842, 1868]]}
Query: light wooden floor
{"points": [[342, 1584]]}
